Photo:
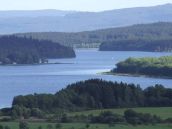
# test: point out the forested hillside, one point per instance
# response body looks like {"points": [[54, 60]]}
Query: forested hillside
{"points": [[146, 66], [67, 21], [145, 32], [15, 50], [138, 45], [97, 94]]}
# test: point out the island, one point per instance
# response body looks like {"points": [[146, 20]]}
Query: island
{"points": [[156, 67], [16, 50]]}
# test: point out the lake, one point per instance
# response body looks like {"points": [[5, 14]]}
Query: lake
{"points": [[22, 80]]}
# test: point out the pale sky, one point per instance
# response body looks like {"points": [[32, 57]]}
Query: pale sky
{"points": [[78, 5]]}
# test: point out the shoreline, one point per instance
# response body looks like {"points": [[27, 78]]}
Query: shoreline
{"points": [[33, 64], [135, 75]]}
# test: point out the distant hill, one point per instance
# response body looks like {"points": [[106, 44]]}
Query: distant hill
{"points": [[138, 45], [155, 31], [62, 21], [34, 13]]}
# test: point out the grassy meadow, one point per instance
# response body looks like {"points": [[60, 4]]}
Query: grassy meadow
{"points": [[163, 112], [14, 125]]}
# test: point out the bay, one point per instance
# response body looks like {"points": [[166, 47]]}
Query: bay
{"points": [[49, 78]]}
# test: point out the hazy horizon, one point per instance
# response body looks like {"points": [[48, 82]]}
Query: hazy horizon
{"points": [[77, 5]]}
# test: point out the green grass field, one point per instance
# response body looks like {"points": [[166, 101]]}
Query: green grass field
{"points": [[14, 125], [163, 112]]}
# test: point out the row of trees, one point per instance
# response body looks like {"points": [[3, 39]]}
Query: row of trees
{"points": [[97, 94], [4, 127], [130, 116], [148, 66], [23, 112], [25, 125], [138, 45], [107, 117], [28, 51]]}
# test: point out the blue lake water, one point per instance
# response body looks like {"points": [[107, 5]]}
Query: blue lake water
{"points": [[22, 80]]}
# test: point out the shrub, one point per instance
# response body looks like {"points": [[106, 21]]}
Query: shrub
{"points": [[23, 125]]}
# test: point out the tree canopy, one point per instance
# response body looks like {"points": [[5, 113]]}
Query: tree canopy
{"points": [[155, 45], [147, 66], [28, 51], [97, 94]]}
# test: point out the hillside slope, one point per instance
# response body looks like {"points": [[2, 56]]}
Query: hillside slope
{"points": [[15, 50], [63, 21], [154, 31]]}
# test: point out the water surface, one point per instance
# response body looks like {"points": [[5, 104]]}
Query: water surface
{"points": [[21, 80]]}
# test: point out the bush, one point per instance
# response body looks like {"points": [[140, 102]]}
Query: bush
{"points": [[87, 126], [23, 125], [107, 118], [7, 127], [1, 127], [169, 120], [66, 119], [40, 127], [58, 126], [135, 118], [49, 126]]}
